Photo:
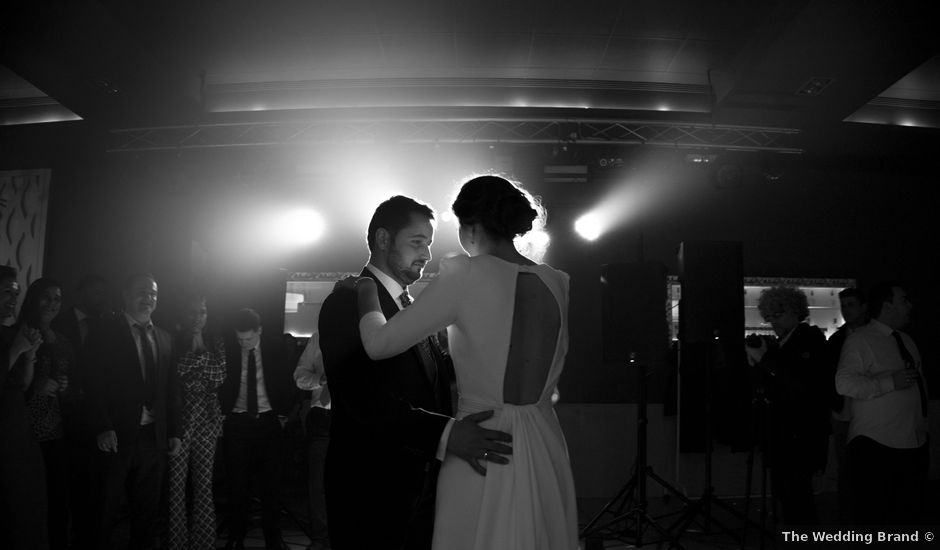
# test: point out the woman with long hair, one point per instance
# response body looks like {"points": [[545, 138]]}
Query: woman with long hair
{"points": [[22, 476], [54, 362]]}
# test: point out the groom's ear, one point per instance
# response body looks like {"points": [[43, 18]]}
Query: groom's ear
{"points": [[381, 238]]}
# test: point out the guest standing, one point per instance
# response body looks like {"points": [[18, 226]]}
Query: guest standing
{"points": [[54, 361], [134, 393], [90, 306], [799, 388], [201, 370], [257, 393], [855, 313], [887, 454], [22, 476], [310, 376]]}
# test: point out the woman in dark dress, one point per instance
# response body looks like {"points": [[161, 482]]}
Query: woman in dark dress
{"points": [[54, 363], [22, 478]]}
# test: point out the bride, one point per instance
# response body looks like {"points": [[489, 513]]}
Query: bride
{"points": [[506, 318]]}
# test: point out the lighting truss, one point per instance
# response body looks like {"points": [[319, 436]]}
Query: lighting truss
{"points": [[457, 130]]}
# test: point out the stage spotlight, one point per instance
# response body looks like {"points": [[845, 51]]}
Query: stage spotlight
{"points": [[589, 226], [298, 227]]}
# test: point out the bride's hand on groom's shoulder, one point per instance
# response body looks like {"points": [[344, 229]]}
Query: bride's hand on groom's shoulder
{"points": [[350, 282], [477, 445]]}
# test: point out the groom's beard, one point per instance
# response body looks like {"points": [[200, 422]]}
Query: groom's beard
{"points": [[410, 274], [406, 273]]}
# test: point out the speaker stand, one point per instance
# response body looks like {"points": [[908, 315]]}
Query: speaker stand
{"points": [[629, 508], [702, 507]]}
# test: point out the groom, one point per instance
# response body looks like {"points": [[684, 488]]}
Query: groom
{"points": [[391, 421]]}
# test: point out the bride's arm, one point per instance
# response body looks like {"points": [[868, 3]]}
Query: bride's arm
{"points": [[435, 308]]}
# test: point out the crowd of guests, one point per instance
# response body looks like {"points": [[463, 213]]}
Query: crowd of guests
{"points": [[110, 425], [865, 386]]}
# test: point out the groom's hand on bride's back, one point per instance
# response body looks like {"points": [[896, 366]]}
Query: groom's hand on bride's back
{"points": [[478, 445]]}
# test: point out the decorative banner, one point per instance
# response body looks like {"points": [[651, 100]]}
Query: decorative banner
{"points": [[24, 199]]}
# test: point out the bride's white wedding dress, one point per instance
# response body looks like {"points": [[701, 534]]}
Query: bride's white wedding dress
{"points": [[508, 334]]}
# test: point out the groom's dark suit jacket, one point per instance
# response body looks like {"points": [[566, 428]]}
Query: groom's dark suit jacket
{"points": [[380, 466]]}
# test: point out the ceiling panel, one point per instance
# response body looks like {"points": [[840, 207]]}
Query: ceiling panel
{"points": [[327, 17], [415, 16], [594, 18], [727, 20], [641, 54], [697, 56], [563, 51], [414, 53], [923, 83], [494, 50], [662, 19], [496, 16]]}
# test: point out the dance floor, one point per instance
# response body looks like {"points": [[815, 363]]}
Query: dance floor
{"points": [[698, 536]]}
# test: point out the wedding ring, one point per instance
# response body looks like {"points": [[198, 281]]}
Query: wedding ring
{"points": [[485, 454]]}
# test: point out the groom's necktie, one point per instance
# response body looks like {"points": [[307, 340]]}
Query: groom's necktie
{"points": [[424, 346], [911, 364]]}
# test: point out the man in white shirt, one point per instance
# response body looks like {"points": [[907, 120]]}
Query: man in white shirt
{"points": [[310, 376], [880, 370], [854, 308]]}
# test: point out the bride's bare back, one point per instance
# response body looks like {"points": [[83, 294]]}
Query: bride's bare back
{"points": [[532, 346]]}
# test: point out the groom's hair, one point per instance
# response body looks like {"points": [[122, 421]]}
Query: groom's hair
{"points": [[394, 214]]}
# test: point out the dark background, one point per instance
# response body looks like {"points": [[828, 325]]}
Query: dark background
{"points": [[863, 214]]}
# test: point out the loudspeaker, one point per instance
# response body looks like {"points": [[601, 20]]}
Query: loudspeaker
{"points": [[712, 281], [711, 336], [635, 309]]}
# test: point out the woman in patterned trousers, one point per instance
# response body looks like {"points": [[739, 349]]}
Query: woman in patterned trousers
{"points": [[201, 368]]}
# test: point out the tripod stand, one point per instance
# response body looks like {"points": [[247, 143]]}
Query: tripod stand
{"points": [[702, 507], [760, 414], [631, 525]]}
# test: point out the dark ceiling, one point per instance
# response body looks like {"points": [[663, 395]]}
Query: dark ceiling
{"points": [[125, 64]]}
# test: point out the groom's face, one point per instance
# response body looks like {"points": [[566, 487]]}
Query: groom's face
{"points": [[410, 250]]}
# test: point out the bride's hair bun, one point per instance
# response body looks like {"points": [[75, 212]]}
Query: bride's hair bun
{"points": [[500, 206]]}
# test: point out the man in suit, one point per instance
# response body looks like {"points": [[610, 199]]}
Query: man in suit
{"points": [[133, 396], [90, 305], [76, 323], [391, 420], [257, 393]]}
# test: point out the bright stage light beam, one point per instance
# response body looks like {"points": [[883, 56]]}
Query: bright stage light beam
{"points": [[298, 227], [589, 226]]}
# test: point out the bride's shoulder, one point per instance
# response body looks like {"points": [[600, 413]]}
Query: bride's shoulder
{"points": [[458, 261], [555, 273], [453, 266]]}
